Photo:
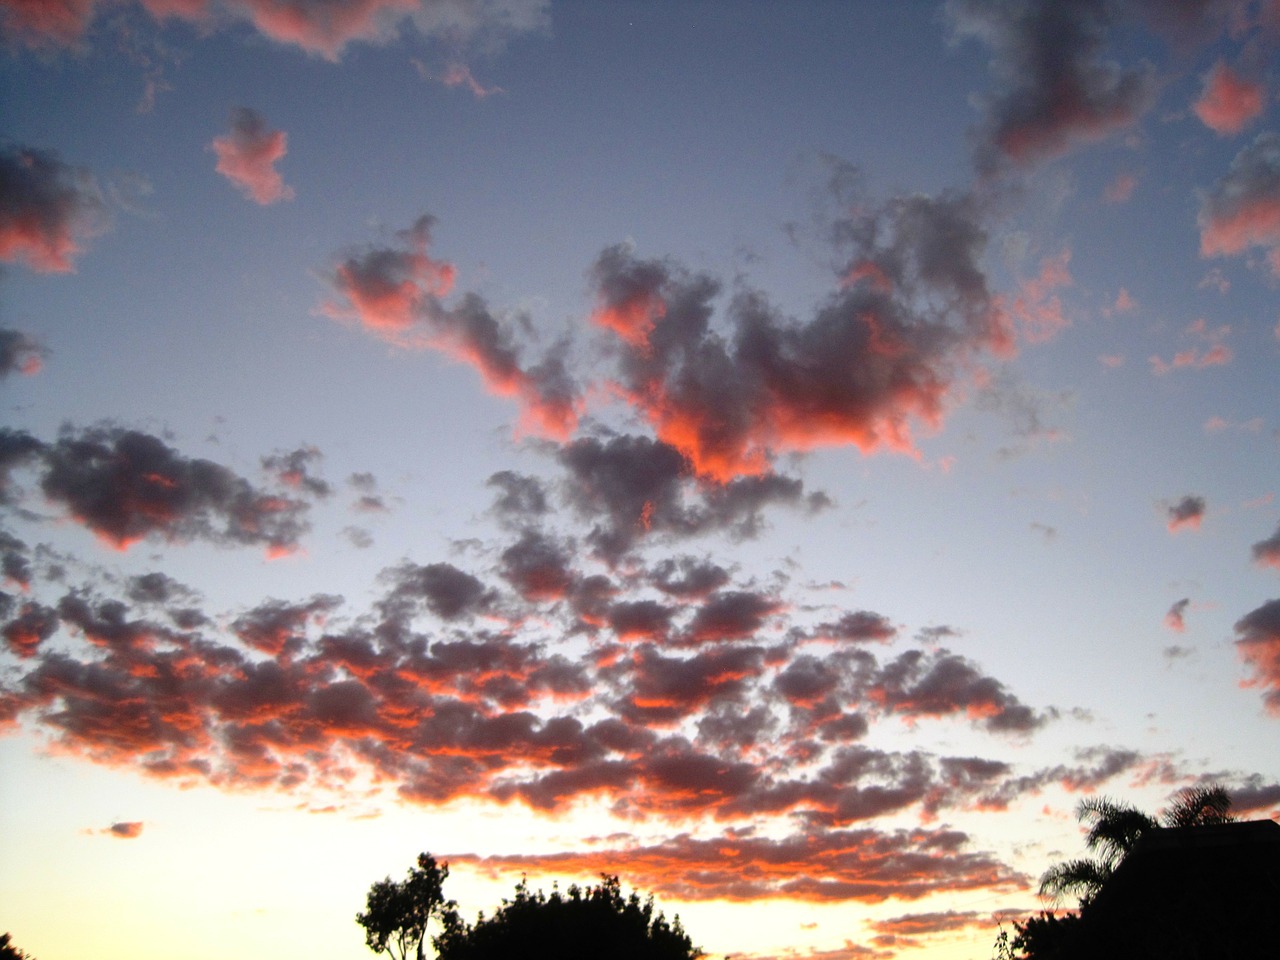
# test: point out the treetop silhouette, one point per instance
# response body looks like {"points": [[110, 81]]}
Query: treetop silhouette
{"points": [[580, 923]]}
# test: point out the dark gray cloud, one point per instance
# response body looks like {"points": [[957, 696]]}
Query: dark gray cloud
{"points": [[1266, 553], [442, 588], [126, 485], [1055, 86], [294, 469], [634, 487]]}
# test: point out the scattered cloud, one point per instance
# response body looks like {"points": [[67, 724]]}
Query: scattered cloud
{"points": [[1175, 618], [396, 292], [1258, 643], [1210, 351], [126, 486], [1266, 553], [1055, 88], [1229, 102], [20, 353], [125, 830], [870, 364], [324, 28], [1242, 210], [48, 209], [248, 154], [1185, 514], [1121, 187]]}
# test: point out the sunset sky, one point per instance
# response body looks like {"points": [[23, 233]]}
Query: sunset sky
{"points": [[784, 453]]}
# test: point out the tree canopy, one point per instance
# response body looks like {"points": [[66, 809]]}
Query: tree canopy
{"points": [[579, 924], [582, 923], [397, 913]]}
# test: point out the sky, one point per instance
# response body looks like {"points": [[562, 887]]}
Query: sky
{"points": [[784, 454]]}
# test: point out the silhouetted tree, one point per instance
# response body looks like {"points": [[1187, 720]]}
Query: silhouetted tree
{"points": [[397, 913], [582, 924], [1114, 829], [9, 952]]}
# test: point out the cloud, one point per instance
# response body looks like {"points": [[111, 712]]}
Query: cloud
{"points": [[1054, 86], [322, 27], [395, 293], [940, 683], [125, 830], [1266, 553], [831, 866], [1175, 618], [1036, 309], [248, 154], [43, 22], [126, 486], [34, 624], [1229, 101], [879, 357], [1121, 187], [47, 209], [1212, 352], [634, 487], [292, 469], [20, 353], [1185, 514], [1258, 643], [1242, 210], [921, 924]]}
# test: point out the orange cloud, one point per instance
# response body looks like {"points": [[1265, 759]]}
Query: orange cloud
{"points": [[247, 157], [1229, 102]]}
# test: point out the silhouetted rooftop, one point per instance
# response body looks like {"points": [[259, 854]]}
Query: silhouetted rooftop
{"points": [[1191, 893]]}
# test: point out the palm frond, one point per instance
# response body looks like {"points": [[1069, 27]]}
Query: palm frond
{"points": [[1074, 878], [1199, 806], [1114, 827]]}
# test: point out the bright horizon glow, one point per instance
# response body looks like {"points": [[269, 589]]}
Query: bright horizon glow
{"points": [[783, 454]]}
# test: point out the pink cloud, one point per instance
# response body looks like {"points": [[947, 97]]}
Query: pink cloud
{"points": [[47, 209], [1211, 352], [1175, 619], [395, 292], [248, 154], [322, 27], [44, 22], [1229, 101], [1242, 210], [1258, 644], [1121, 188], [1036, 309], [1124, 302]]}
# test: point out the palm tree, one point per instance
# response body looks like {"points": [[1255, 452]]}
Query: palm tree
{"points": [[1114, 829]]}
